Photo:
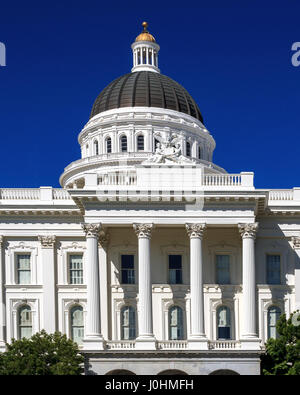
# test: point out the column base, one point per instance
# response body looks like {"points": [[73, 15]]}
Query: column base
{"points": [[250, 343], [145, 343], [93, 343], [198, 343]]}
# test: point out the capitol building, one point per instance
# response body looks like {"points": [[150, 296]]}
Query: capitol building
{"points": [[151, 257]]}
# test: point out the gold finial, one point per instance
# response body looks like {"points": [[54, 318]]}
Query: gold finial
{"points": [[145, 25], [145, 35]]}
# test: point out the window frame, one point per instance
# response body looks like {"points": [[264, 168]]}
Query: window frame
{"points": [[123, 136], [129, 326], [216, 268], [17, 271], [73, 253], [19, 326], [280, 268], [181, 326], [169, 270], [132, 270], [71, 326], [223, 306]]}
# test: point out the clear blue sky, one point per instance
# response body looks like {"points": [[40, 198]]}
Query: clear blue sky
{"points": [[233, 56]]}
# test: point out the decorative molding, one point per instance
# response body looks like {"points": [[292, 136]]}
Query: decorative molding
{"points": [[296, 242], [1, 241], [143, 230], [91, 230], [195, 230], [47, 241], [248, 230]]}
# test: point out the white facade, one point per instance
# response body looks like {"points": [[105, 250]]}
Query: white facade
{"points": [[236, 249]]}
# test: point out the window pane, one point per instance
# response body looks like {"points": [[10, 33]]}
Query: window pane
{"points": [[223, 269], [175, 269], [23, 269], [140, 143], [76, 269], [223, 322], [123, 143], [176, 323], [273, 269], [128, 327], [77, 325], [127, 269], [273, 316], [188, 149], [25, 322], [108, 145]]}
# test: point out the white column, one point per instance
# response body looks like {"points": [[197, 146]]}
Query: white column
{"points": [[147, 55], [2, 300], [197, 339], [296, 246], [145, 339], [249, 337], [49, 283], [93, 339], [104, 292]]}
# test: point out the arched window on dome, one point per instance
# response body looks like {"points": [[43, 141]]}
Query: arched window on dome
{"points": [[223, 323], [108, 145], [274, 313], [140, 142], [25, 322], [96, 148], [123, 143], [77, 326], [188, 149], [176, 323], [128, 323], [199, 153], [87, 150]]}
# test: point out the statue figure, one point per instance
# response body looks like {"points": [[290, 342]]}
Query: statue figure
{"points": [[168, 150]]}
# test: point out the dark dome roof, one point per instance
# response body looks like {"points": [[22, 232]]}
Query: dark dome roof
{"points": [[146, 89]]}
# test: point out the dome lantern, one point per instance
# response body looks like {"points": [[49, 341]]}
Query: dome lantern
{"points": [[145, 52]]}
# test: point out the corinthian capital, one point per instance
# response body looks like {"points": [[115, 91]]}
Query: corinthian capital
{"points": [[91, 230], [248, 230], [143, 230], [103, 239], [296, 242], [47, 241], [1, 240], [195, 230]]}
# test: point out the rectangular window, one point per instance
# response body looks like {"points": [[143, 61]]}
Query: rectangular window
{"points": [[273, 269], [175, 269], [75, 269], [23, 269], [127, 269], [222, 269]]}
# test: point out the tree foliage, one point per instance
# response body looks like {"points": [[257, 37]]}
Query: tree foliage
{"points": [[282, 356], [42, 354]]}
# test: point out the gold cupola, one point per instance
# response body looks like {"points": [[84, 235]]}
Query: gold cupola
{"points": [[145, 52], [145, 35]]}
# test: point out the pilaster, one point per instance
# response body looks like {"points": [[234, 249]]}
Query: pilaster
{"points": [[49, 282]]}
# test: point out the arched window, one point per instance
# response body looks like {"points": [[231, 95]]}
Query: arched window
{"points": [[176, 323], [77, 326], [25, 322], [188, 149], [274, 313], [123, 144], [96, 148], [128, 326], [140, 142], [199, 153], [87, 150], [223, 323], [108, 145]]}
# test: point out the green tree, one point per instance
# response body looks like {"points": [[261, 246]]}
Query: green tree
{"points": [[282, 355], [42, 354]]}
